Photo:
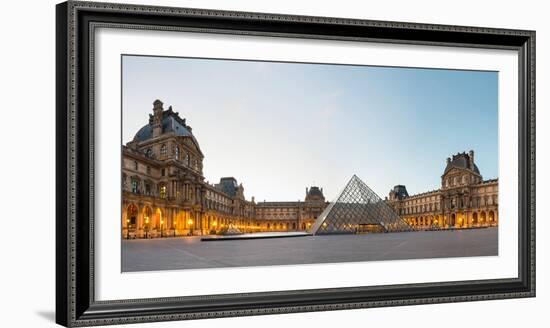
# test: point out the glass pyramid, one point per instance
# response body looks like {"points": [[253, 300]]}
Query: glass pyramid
{"points": [[358, 209]]}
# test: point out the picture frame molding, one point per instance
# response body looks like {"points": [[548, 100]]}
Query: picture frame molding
{"points": [[75, 27]]}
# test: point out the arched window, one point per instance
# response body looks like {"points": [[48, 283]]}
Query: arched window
{"points": [[163, 151], [162, 191], [149, 153], [177, 152]]}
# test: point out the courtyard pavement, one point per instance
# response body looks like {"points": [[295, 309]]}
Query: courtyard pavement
{"points": [[192, 253]]}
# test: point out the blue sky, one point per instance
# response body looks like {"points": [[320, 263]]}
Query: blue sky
{"points": [[280, 127]]}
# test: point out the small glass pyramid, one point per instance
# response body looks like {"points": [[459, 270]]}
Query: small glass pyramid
{"points": [[356, 210]]}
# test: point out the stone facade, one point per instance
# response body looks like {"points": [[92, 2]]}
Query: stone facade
{"points": [[165, 193], [465, 200]]}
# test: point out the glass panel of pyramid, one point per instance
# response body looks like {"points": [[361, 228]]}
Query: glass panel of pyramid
{"points": [[358, 209]]}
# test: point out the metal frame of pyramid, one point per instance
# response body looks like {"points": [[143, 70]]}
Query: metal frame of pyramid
{"points": [[358, 209]]}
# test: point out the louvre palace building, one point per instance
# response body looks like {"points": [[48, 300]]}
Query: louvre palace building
{"points": [[165, 194], [465, 200]]}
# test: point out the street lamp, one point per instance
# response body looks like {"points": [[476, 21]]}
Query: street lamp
{"points": [[146, 227], [174, 229], [127, 228], [161, 226]]}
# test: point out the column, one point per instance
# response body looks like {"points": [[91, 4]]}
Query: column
{"points": [[139, 223]]}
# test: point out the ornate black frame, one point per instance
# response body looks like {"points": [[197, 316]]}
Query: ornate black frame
{"points": [[75, 303]]}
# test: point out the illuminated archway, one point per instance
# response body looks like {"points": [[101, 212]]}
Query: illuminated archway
{"points": [[460, 220], [147, 216], [159, 219], [482, 218], [491, 217], [437, 220], [131, 216], [453, 220], [474, 218]]}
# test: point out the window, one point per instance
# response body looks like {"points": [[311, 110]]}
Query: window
{"points": [[186, 159], [163, 191], [177, 152], [163, 151], [134, 186], [148, 170], [163, 172], [147, 189], [149, 153]]}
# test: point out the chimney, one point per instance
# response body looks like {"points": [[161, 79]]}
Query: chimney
{"points": [[471, 155], [157, 118]]}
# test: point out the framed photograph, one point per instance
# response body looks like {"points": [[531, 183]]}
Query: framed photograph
{"points": [[216, 164]]}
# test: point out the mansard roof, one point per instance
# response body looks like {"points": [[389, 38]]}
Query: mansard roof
{"points": [[461, 161]]}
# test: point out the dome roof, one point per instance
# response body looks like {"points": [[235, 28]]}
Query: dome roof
{"points": [[461, 161], [171, 122]]}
